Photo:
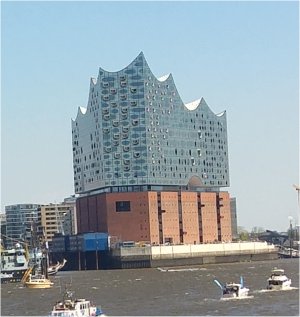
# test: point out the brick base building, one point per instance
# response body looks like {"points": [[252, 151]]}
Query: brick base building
{"points": [[158, 217]]}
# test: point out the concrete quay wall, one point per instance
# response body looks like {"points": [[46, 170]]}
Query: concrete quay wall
{"points": [[180, 255], [205, 260], [167, 256], [204, 250]]}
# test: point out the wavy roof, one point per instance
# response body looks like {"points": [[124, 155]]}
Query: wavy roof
{"points": [[193, 105], [164, 78]]}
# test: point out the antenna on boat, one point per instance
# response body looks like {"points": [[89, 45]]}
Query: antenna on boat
{"points": [[242, 281], [219, 284], [59, 286]]}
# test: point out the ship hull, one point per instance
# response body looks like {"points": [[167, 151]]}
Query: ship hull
{"points": [[12, 276], [46, 284]]}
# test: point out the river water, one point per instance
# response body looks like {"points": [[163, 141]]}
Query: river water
{"points": [[179, 291]]}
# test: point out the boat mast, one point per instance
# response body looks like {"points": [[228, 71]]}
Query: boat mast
{"points": [[46, 259], [291, 237]]}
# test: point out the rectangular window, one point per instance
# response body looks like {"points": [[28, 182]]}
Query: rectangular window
{"points": [[122, 206]]}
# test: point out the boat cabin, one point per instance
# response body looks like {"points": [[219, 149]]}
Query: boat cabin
{"points": [[278, 280], [277, 272], [73, 308], [13, 259], [231, 289]]}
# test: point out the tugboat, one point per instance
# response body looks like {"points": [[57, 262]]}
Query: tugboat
{"points": [[233, 290], [70, 307], [278, 280]]}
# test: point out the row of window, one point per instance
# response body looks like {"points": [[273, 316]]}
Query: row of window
{"points": [[116, 135], [155, 175], [105, 84], [113, 90]]}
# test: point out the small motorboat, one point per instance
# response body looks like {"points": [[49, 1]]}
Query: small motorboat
{"points": [[53, 269], [233, 290], [278, 280], [70, 307]]}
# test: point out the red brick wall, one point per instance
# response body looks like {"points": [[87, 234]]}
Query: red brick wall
{"points": [[153, 217], [190, 217], [209, 217], [133, 225], [225, 217], [170, 220], [141, 223]]}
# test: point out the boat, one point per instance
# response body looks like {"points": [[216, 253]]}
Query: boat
{"points": [[233, 290], [278, 280], [289, 253], [17, 260], [70, 307], [37, 258], [36, 280], [53, 269], [36, 277], [6, 277], [14, 263]]}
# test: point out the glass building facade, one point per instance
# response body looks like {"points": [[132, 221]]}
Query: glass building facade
{"points": [[137, 134], [19, 221]]}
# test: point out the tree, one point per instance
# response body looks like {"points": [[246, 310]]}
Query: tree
{"points": [[243, 234], [255, 232]]}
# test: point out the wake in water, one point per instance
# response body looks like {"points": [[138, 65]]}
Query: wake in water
{"points": [[236, 298], [275, 290], [178, 270]]}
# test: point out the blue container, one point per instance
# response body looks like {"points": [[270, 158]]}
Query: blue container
{"points": [[58, 244], [94, 241], [73, 243]]}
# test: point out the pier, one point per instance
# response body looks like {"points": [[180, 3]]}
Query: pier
{"points": [[168, 255]]}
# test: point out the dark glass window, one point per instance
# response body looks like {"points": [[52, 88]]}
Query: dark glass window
{"points": [[122, 206]]}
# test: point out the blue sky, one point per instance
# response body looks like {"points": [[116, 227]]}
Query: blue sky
{"points": [[241, 57]]}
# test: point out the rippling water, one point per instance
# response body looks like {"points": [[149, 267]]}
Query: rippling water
{"points": [[183, 291]]}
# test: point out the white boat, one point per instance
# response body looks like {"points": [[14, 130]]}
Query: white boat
{"points": [[233, 290], [69, 307], [289, 253], [278, 280], [53, 269]]}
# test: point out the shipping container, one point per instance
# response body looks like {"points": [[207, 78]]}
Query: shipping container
{"points": [[95, 241], [58, 244]]}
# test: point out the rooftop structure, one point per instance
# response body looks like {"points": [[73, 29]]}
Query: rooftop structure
{"points": [[136, 134]]}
